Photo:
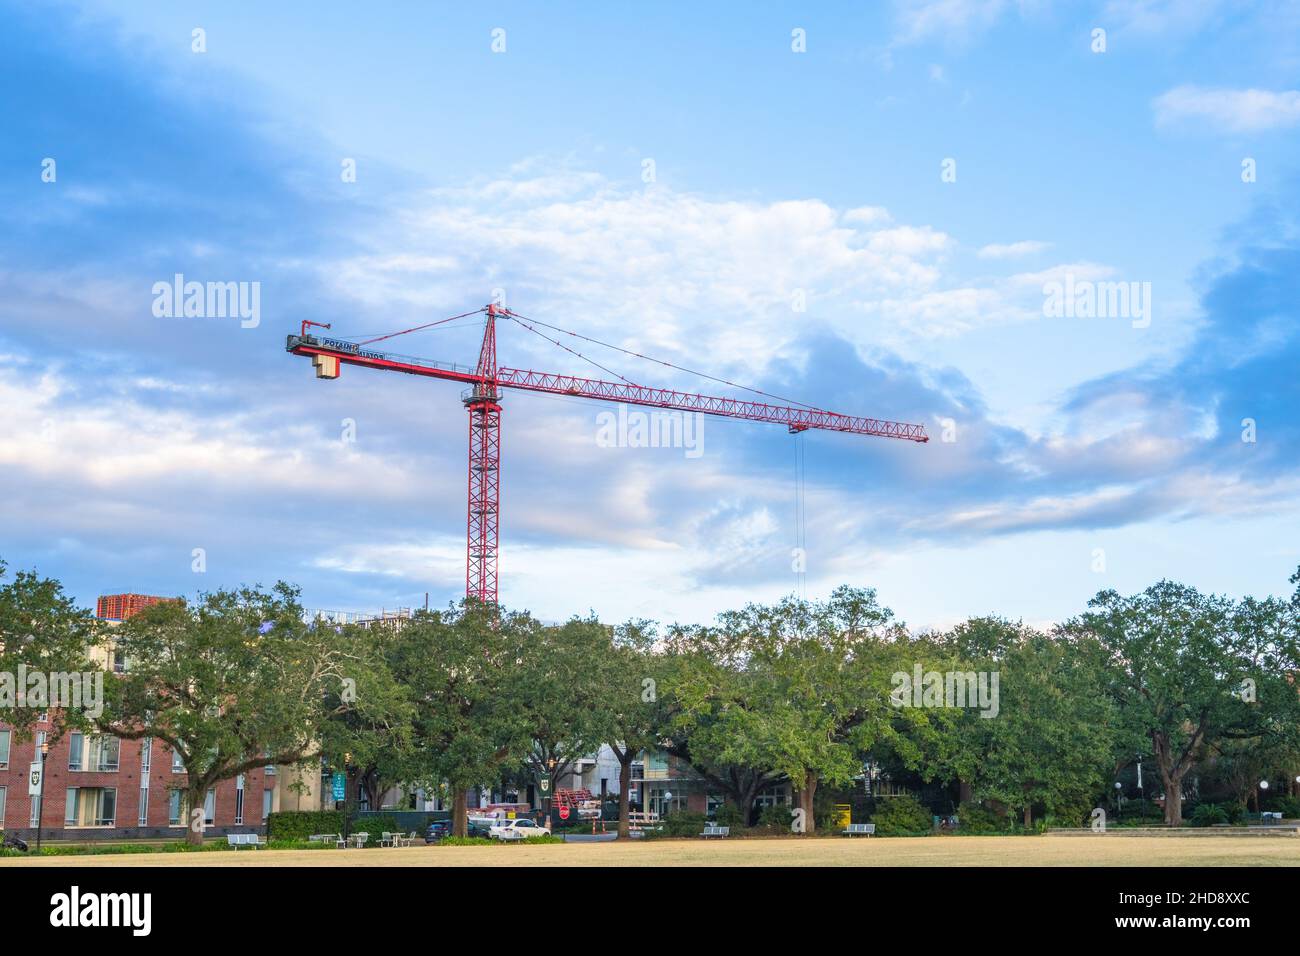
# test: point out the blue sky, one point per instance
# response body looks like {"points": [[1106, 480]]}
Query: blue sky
{"points": [[131, 440]]}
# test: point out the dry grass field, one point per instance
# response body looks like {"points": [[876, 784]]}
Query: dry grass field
{"points": [[922, 851]]}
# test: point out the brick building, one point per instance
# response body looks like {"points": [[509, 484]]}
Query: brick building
{"points": [[99, 788]]}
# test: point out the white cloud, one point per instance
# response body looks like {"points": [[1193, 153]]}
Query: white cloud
{"points": [[1231, 110], [949, 20], [1013, 250]]}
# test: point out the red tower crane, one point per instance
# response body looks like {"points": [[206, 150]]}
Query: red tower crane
{"points": [[482, 398]]}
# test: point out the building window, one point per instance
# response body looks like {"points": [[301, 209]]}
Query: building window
{"points": [[4, 749], [90, 807], [33, 818], [146, 755], [40, 740], [143, 819], [3, 791], [173, 808], [210, 808], [93, 753], [268, 797], [119, 662], [178, 765], [239, 800]]}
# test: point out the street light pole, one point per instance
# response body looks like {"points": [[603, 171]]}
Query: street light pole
{"points": [[40, 798]]}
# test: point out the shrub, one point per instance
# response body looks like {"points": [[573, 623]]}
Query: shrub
{"points": [[977, 818], [1142, 810], [775, 819], [1208, 815], [1288, 806], [901, 816], [682, 823], [730, 815], [487, 841], [300, 824]]}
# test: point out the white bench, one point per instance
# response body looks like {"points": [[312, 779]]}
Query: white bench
{"points": [[712, 831], [237, 840], [859, 829]]}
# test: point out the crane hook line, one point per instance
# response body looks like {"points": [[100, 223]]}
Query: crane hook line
{"points": [[608, 371], [712, 378]]}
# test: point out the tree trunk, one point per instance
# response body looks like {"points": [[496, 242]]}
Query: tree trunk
{"points": [[624, 800], [1029, 816], [459, 812], [1173, 798], [964, 793], [806, 794], [745, 800], [195, 825]]}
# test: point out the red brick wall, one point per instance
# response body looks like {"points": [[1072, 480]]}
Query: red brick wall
{"points": [[126, 780]]}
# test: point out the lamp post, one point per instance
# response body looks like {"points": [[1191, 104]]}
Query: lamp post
{"points": [[1119, 799], [550, 789], [40, 799]]}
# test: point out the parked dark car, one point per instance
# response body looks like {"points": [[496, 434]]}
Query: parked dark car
{"points": [[437, 830]]}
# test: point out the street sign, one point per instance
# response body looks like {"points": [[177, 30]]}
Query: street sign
{"points": [[34, 781], [339, 783], [564, 813]]}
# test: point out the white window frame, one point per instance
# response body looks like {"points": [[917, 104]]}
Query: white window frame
{"points": [[7, 738], [4, 800], [239, 800]]}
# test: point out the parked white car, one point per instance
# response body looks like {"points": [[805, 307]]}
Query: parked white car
{"points": [[520, 829]]}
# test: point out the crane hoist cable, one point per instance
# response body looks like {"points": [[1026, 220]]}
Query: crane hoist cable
{"points": [[648, 358]]}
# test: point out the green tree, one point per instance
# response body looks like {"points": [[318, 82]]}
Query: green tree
{"points": [[462, 669], [42, 630], [630, 675], [1194, 669], [232, 682], [372, 744], [561, 697]]}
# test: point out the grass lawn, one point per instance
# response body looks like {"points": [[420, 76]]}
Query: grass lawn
{"points": [[830, 851]]}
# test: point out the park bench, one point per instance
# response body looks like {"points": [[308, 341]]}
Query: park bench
{"points": [[359, 840], [712, 831], [237, 840], [859, 829]]}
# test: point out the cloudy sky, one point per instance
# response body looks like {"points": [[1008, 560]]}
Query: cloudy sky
{"points": [[863, 211]]}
